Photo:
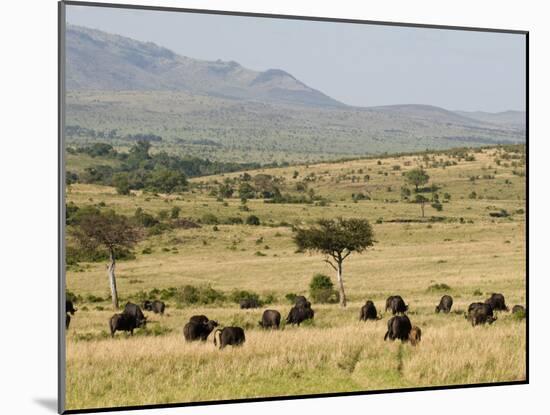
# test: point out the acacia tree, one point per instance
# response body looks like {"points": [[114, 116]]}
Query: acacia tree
{"points": [[336, 239], [421, 200], [108, 230], [417, 177]]}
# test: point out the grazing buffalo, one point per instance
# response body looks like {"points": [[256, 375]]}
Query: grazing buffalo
{"points": [[415, 335], [445, 304], [198, 331], [299, 314], [233, 336], [497, 302], [301, 301], [200, 319], [67, 321], [69, 307], [518, 309], [134, 310], [155, 306], [124, 322], [396, 304], [368, 312], [270, 319], [480, 313], [399, 327], [249, 303]]}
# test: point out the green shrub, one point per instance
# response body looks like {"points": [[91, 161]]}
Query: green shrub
{"points": [[203, 294], [439, 287], [237, 295], [253, 220], [519, 315], [321, 289], [175, 212], [209, 219], [147, 251]]}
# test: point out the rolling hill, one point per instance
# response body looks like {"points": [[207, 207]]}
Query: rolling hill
{"points": [[118, 87]]}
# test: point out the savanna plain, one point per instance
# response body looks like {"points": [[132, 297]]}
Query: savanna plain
{"points": [[468, 242]]}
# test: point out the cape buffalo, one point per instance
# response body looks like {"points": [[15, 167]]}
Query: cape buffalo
{"points": [[301, 301], [155, 306], [200, 319], [270, 318], [396, 304], [123, 322], [518, 309], [249, 303], [480, 313], [69, 307], [399, 327], [497, 302], [198, 331], [368, 312], [67, 321], [299, 314], [233, 336], [445, 304], [415, 335], [134, 310]]}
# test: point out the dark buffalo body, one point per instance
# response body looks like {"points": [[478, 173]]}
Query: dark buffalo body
{"points": [[518, 309], [67, 320], [69, 307], [480, 313], [299, 314], [445, 304], [124, 322], [497, 302], [147, 305], [233, 336], [198, 331], [249, 303], [199, 319], [301, 301], [271, 319], [368, 312], [396, 304], [399, 327], [158, 307], [135, 311]]}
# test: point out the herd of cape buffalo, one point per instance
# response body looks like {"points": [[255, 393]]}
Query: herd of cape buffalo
{"points": [[400, 327]]}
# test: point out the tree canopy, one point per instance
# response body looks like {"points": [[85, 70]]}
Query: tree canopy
{"points": [[417, 177], [336, 239]]}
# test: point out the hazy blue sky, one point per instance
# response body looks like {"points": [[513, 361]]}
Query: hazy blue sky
{"points": [[357, 64]]}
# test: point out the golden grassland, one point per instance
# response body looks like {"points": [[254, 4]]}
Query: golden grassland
{"points": [[336, 352]]}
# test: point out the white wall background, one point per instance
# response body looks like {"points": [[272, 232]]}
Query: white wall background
{"points": [[28, 204]]}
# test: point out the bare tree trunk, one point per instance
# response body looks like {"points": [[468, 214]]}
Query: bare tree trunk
{"points": [[343, 300], [422, 207], [112, 279]]}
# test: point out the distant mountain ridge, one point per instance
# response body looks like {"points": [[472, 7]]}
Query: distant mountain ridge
{"points": [[100, 61], [133, 87]]}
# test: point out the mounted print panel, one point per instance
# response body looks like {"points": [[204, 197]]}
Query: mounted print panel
{"points": [[261, 207]]}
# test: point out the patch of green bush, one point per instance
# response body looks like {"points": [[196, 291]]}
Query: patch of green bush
{"points": [[237, 295], [321, 290], [203, 294], [439, 287]]}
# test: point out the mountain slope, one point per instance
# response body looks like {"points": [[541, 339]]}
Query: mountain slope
{"points": [[119, 87], [100, 61], [513, 119]]}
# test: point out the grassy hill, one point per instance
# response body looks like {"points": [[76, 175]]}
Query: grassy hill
{"points": [[462, 250], [119, 87]]}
